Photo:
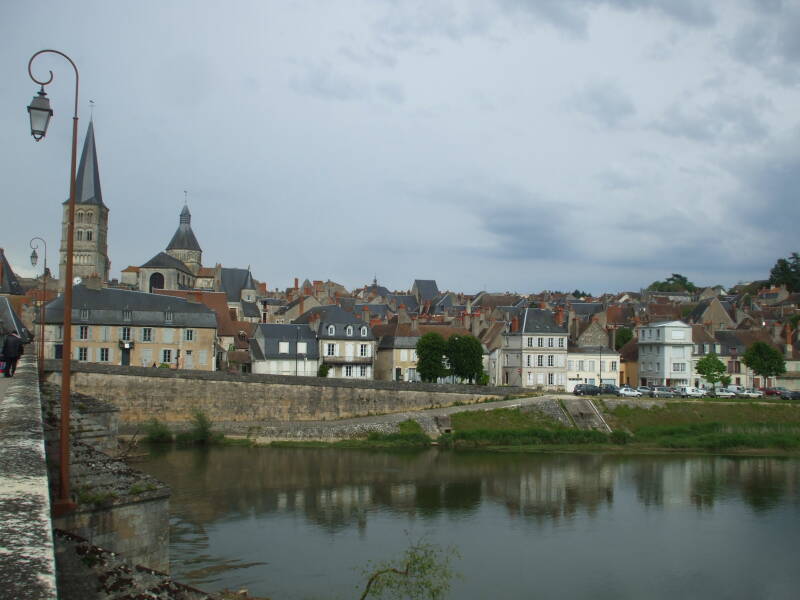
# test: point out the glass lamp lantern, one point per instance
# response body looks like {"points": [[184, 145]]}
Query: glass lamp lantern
{"points": [[40, 113]]}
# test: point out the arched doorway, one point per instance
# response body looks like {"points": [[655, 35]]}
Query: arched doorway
{"points": [[156, 282]]}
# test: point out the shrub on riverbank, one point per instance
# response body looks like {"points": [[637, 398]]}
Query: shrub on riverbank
{"points": [[157, 432], [201, 431]]}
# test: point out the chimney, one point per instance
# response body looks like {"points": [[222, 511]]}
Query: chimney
{"points": [[414, 328], [302, 305], [365, 314], [93, 282], [307, 290], [296, 283], [560, 316], [402, 314], [515, 325], [313, 322]]}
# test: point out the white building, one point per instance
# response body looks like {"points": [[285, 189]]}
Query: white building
{"points": [[665, 353], [592, 364]]}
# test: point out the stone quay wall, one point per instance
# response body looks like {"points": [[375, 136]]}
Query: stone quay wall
{"points": [[236, 402]]}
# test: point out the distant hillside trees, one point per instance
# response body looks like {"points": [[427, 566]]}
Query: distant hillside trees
{"points": [[674, 283], [787, 272]]}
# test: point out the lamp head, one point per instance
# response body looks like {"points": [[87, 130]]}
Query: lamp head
{"points": [[34, 257], [40, 113]]}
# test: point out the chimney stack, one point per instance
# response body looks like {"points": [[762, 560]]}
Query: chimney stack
{"points": [[414, 328], [296, 283], [560, 316], [515, 325]]}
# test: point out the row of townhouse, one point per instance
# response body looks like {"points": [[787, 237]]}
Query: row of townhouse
{"points": [[123, 327]]}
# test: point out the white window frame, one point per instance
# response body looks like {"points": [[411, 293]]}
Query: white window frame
{"points": [[330, 349], [331, 330], [363, 331], [349, 331], [125, 334], [83, 353]]}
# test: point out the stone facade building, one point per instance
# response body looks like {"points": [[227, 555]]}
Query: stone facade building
{"points": [[534, 351]]}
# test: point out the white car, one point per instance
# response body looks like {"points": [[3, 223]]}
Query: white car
{"points": [[629, 392], [751, 393], [723, 393], [687, 391]]}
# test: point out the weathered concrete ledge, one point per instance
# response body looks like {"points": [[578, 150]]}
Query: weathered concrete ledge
{"points": [[237, 402], [27, 562]]}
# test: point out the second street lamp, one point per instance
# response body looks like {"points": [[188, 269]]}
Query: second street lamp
{"points": [[40, 112], [42, 300]]}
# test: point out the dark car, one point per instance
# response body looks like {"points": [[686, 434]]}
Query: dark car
{"points": [[586, 389], [790, 395], [609, 388]]}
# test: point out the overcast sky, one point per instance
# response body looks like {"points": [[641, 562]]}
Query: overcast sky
{"points": [[505, 145]]}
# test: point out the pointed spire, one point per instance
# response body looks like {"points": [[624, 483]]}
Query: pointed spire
{"points": [[184, 236], [186, 216], [87, 180]]}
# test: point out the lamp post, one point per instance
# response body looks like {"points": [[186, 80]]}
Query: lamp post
{"points": [[40, 113], [34, 260]]}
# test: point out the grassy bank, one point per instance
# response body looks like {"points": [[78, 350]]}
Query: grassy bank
{"points": [[409, 435]]}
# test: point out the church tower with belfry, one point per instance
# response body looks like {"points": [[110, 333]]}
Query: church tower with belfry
{"points": [[90, 247]]}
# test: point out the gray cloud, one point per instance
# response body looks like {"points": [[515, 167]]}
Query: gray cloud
{"points": [[322, 81], [605, 101], [391, 92], [688, 12], [727, 120], [771, 44]]}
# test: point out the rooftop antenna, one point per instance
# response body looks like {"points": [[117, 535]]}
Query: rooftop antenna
{"points": [[185, 198], [91, 110]]}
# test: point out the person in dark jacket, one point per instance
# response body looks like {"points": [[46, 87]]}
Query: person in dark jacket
{"points": [[12, 350]]}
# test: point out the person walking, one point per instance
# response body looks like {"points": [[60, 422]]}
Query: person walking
{"points": [[12, 350]]}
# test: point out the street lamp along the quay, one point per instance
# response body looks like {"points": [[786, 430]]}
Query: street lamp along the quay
{"points": [[40, 113], [34, 261]]}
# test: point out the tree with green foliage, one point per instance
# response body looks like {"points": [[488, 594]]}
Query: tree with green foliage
{"points": [[423, 572], [431, 353], [624, 335], [465, 356], [711, 368], [764, 360], [787, 272], [674, 283], [323, 370], [580, 294]]}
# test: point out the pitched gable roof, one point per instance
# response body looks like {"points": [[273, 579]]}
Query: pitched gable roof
{"points": [[425, 289], [162, 260], [9, 284], [87, 179], [234, 281]]}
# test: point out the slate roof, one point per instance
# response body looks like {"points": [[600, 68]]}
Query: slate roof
{"points": [[339, 318], [375, 310], [106, 307], [539, 320], [9, 284], [10, 321], [268, 336], [401, 335], [217, 302], [409, 300], [426, 289], [162, 260], [586, 309], [488, 300], [87, 178], [184, 236], [236, 280], [250, 309]]}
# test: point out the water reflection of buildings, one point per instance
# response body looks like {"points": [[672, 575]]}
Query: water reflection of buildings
{"points": [[336, 489]]}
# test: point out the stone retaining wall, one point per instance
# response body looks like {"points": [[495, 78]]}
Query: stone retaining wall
{"points": [[235, 402]]}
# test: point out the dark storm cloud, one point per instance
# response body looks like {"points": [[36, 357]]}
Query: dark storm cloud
{"points": [[526, 232], [771, 43], [604, 101], [726, 120]]}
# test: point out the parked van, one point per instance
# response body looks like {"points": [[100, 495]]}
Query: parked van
{"points": [[736, 389], [687, 391]]}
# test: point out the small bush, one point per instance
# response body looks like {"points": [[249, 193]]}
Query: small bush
{"points": [[201, 432], [619, 437], [323, 370], [157, 432]]}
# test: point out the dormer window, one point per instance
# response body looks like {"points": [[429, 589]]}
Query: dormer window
{"points": [[84, 314], [363, 332], [168, 314], [331, 330], [349, 330], [127, 314]]}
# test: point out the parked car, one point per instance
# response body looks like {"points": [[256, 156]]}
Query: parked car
{"points": [[586, 389], [736, 389], [722, 393], [629, 392], [751, 393], [609, 388], [768, 391], [687, 391], [790, 395], [661, 391], [644, 390]]}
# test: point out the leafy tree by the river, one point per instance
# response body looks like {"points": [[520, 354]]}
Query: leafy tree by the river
{"points": [[465, 355], [765, 360], [711, 368], [787, 272], [431, 352]]}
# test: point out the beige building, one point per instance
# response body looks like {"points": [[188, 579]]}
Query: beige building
{"points": [[123, 327]]}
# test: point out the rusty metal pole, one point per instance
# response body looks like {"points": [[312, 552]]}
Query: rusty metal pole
{"points": [[64, 503]]}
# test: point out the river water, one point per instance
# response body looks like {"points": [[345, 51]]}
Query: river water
{"points": [[297, 523]]}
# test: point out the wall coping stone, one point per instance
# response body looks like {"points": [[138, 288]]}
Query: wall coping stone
{"points": [[370, 384], [27, 560]]}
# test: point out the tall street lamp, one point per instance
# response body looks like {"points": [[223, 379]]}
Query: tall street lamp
{"points": [[40, 113], [34, 260]]}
